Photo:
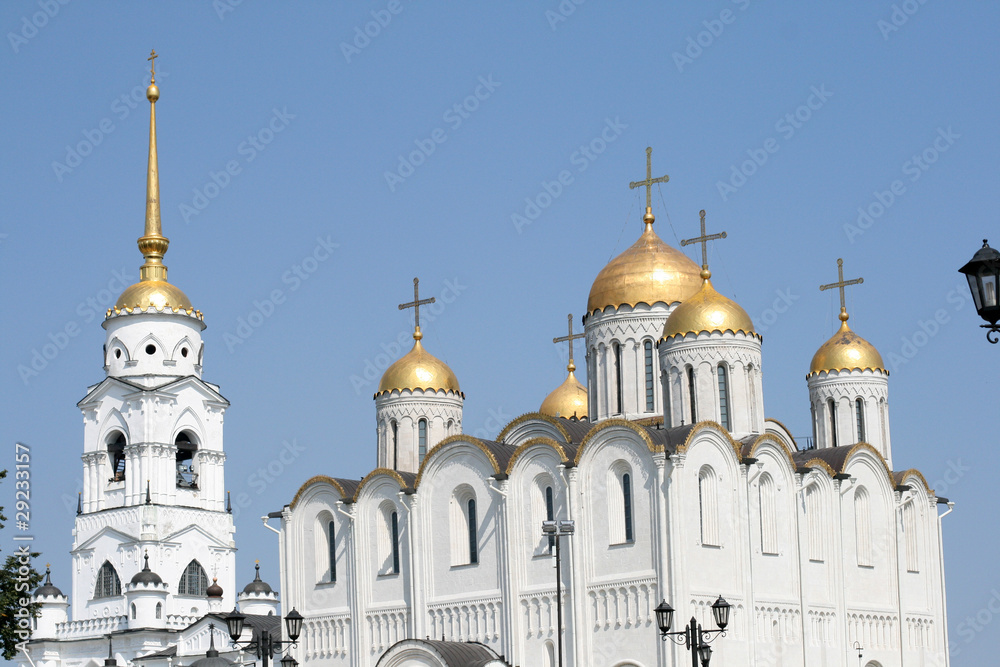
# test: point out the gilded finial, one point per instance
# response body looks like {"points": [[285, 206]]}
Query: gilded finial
{"points": [[415, 305], [841, 284], [153, 244], [703, 240]]}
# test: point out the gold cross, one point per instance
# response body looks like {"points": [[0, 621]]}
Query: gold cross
{"points": [[569, 339], [841, 284], [416, 303], [152, 65], [649, 179], [703, 240]]}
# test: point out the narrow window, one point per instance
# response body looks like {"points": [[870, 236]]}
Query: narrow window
{"points": [[618, 378], [394, 520], [193, 581], [768, 520], [723, 397], [187, 478], [668, 419], [159, 610], [627, 492], [395, 444], [108, 584], [116, 455], [473, 545], [814, 524], [833, 422], [648, 349], [708, 507], [694, 408], [133, 611], [550, 514], [863, 527], [859, 407], [331, 533], [422, 438], [910, 537], [752, 394]]}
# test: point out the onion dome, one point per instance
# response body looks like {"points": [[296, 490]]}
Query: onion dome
{"points": [[569, 399], [146, 576], [257, 586], [647, 272], [707, 310], [153, 290], [846, 351], [215, 590], [418, 369], [47, 589]]}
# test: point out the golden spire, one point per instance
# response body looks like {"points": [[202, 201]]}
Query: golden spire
{"points": [[153, 244], [703, 240], [846, 350]]}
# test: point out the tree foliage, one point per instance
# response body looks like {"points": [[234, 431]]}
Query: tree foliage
{"points": [[18, 579]]}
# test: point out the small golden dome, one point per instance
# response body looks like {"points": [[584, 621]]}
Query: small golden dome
{"points": [[647, 272], [846, 351], [568, 400], [707, 311], [418, 369], [157, 294]]}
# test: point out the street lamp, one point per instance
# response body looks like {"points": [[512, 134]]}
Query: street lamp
{"points": [[693, 637], [860, 649], [983, 273], [558, 529], [263, 644]]}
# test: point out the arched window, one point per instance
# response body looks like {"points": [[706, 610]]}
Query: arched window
{"points": [[159, 610], [752, 394], [394, 427], [550, 514], [768, 518], [859, 408], [814, 524], [394, 528], [627, 493], [331, 541], [910, 537], [883, 415], [133, 611], [618, 377], [388, 538], [550, 654], [723, 396], [108, 584], [691, 395], [863, 527], [708, 507], [422, 439], [647, 348], [620, 524], [464, 527], [193, 580], [116, 455], [833, 421], [668, 409], [187, 477]]}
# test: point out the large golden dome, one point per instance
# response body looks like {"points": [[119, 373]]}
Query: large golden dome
{"points": [[647, 272], [707, 311], [568, 400], [158, 294], [418, 369], [846, 351]]}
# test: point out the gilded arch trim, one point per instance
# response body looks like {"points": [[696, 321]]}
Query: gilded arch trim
{"points": [[466, 439], [613, 423], [532, 416], [531, 443], [318, 479], [710, 426], [379, 472]]}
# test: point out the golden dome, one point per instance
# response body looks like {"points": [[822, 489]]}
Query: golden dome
{"points": [[647, 272], [707, 311], [418, 369], [568, 400], [157, 294], [846, 351]]}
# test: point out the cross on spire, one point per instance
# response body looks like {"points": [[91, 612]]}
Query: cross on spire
{"points": [[152, 65], [649, 180], [841, 284], [569, 339], [703, 240], [415, 305]]}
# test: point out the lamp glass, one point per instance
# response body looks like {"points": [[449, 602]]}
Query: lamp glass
{"points": [[289, 661], [983, 274], [234, 623], [548, 527], [705, 653], [664, 616], [720, 610], [293, 624]]}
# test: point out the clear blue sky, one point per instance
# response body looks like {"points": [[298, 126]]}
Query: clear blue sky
{"points": [[833, 102]]}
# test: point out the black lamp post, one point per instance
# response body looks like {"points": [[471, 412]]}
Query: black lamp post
{"points": [[264, 645], [693, 637], [983, 273], [558, 529]]}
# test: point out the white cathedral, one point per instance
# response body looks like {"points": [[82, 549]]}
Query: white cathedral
{"points": [[678, 487]]}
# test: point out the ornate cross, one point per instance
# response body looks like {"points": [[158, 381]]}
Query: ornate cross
{"points": [[841, 284], [703, 240], [649, 178], [416, 303], [152, 65], [569, 339]]}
